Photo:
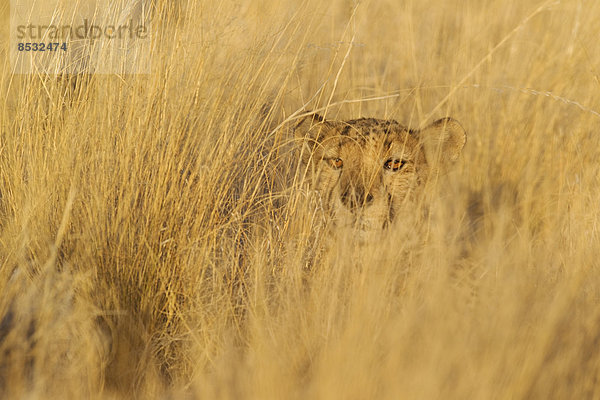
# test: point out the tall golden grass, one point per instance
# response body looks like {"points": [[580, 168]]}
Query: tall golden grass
{"points": [[156, 239]]}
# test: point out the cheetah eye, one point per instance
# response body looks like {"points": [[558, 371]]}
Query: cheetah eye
{"points": [[336, 163], [394, 164]]}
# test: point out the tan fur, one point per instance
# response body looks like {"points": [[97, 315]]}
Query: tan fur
{"points": [[368, 170]]}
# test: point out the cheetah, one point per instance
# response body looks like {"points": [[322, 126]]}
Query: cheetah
{"points": [[367, 171]]}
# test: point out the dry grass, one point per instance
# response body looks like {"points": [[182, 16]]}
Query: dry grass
{"points": [[148, 245]]}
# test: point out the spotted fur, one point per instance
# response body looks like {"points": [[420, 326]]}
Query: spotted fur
{"points": [[367, 170]]}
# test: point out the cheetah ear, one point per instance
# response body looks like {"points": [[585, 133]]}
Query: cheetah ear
{"points": [[311, 129], [443, 141]]}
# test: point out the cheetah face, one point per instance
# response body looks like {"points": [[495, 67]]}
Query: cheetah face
{"points": [[367, 170]]}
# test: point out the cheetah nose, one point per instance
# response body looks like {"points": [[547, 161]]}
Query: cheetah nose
{"points": [[354, 199]]}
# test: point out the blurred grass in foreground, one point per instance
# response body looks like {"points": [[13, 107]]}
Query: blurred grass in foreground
{"points": [[155, 238]]}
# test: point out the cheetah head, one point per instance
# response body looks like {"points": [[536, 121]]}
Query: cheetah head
{"points": [[368, 170]]}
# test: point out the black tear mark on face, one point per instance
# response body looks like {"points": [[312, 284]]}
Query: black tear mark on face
{"points": [[391, 213]]}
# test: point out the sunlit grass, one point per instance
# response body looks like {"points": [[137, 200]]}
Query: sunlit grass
{"points": [[156, 236]]}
